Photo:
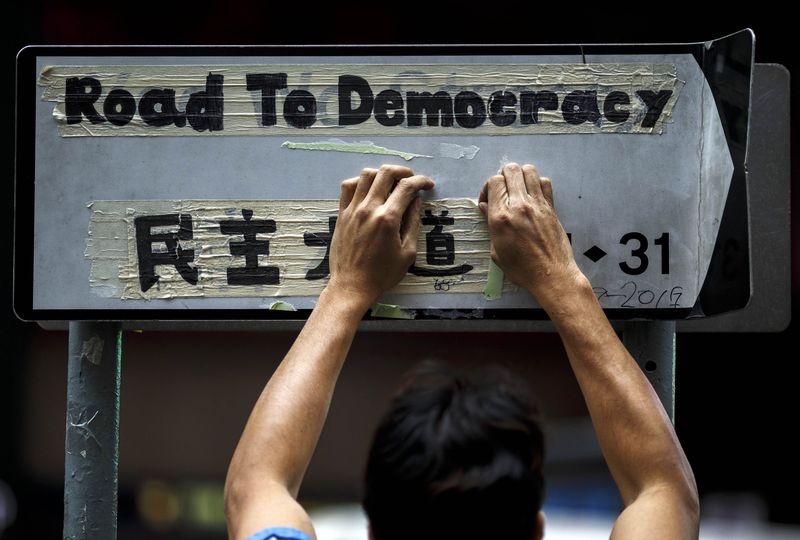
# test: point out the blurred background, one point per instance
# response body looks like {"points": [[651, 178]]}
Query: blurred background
{"points": [[186, 395]]}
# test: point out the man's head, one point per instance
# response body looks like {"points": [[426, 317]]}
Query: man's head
{"points": [[457, 456]]}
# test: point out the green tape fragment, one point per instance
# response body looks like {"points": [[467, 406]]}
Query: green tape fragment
{"points": [[494, 282], [391, 311], [280, 305], [363, 147]]}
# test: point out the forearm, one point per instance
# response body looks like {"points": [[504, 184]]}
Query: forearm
{"points": [[285, 424], [634, 431]]}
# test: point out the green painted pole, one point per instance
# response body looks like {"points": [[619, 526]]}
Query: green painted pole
{"points": [[92, 432], [652, 344]]}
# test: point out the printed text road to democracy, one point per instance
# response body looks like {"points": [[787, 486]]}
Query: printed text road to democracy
{"points": [[357, 101]]}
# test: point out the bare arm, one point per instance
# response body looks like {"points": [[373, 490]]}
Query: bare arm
{"points": [[373, 246], [637, 438]]}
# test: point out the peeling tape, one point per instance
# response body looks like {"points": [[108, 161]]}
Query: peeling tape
{"points": [[92, 350], [392, 311], [456, 151], [361, 147], [280, 305], [494, 282]]}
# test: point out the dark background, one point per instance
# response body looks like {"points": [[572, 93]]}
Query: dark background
{"points": [[736, 393]]}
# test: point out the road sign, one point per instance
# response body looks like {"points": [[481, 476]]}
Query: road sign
{"points": [[201, 183]]}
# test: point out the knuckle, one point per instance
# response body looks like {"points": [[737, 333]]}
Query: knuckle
{"points": [[527, 209], [416, 181], [412, 183], [386, 218], [529, 168], [512, 167], [395, 169], [496, 181], [500, 219], [362, 212], [405, 184]]}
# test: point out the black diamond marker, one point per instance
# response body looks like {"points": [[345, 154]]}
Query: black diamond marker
{"points": [[594, 253]]}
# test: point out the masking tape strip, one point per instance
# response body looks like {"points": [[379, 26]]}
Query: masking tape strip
{"points": [[361, 147], [142, 250], [494, 282], [392, 311]]}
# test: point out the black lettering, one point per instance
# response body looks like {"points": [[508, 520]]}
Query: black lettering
{"points": [[300, 109], [204, 109], [119, 107], [439, 248], [470, 110], [610, 110], [157, 108], [663, 241], [531, 102], [498, 101], [250, 249], [386, 101], [321, 239], [174, 255], [639, 253], [655, 104], [349, 116], [580, 106], [436, 107], [78, 102], [431, 272], [267, 83]]}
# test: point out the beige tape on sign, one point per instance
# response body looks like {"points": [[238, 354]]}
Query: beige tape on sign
{"points": [[361, 99], [233, 248]]}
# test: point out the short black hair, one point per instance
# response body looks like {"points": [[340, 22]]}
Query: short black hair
{"points": [[458, 455]]}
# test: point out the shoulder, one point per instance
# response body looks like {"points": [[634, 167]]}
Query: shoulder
{"points": [[279, 533]]}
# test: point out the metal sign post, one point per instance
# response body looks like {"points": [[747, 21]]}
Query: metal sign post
{"points": [[652, 345], [92, 432]]}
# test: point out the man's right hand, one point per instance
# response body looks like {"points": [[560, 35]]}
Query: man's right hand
{"points": [[527, 239]]}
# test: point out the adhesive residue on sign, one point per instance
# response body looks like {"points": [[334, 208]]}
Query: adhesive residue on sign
{"points": [[361, 99]]}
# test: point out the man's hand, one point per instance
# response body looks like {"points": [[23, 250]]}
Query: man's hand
{"points": [[374, 244], [637, 438], [527, 240], [375, 241]]}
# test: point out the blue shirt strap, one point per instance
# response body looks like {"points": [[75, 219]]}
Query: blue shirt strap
{"points": [[279, 533]]}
